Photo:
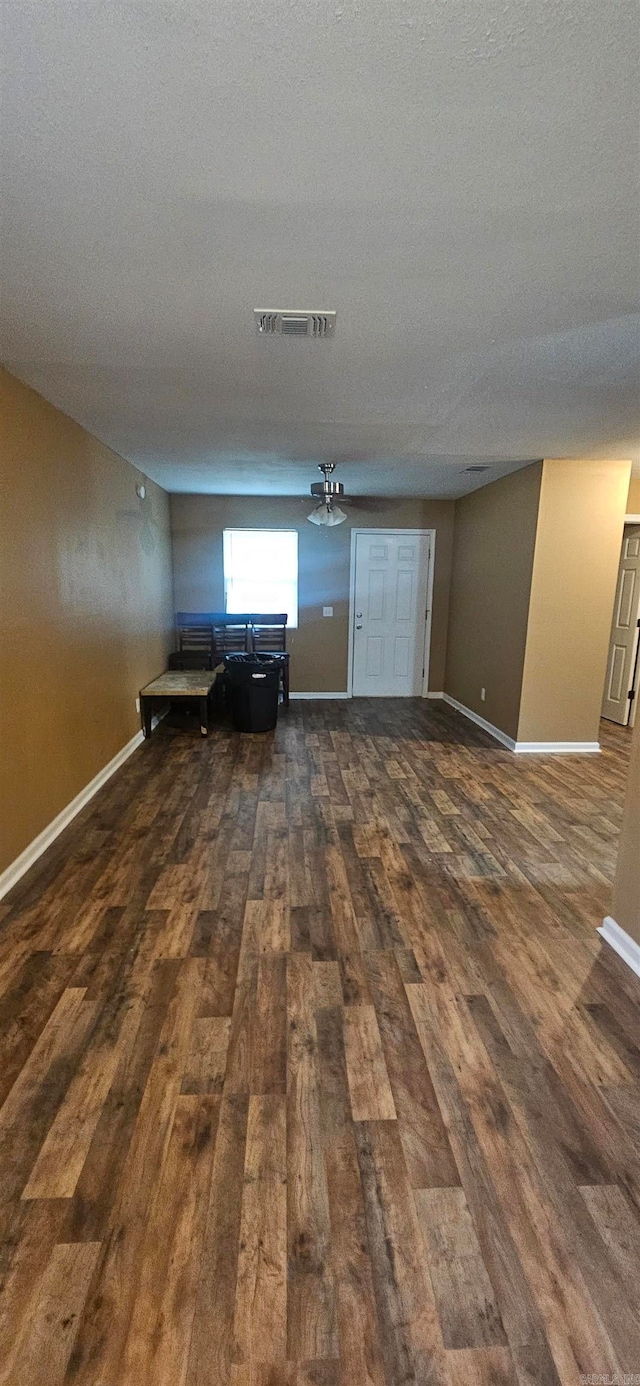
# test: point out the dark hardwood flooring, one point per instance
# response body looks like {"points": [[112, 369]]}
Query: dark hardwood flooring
{"points": [[315, 1072]]}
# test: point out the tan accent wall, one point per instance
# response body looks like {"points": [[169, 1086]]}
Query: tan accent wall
{"points": [[86, 608], [319, 646], [494, 539], [575, 567], [626, 891], [633, 497]]}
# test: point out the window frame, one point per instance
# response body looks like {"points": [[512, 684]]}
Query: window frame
{"points": [[292, 622]]}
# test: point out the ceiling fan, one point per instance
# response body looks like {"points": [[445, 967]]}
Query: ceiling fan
{"points": [[327, 512]]}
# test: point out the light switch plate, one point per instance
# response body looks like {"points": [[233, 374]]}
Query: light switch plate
{"points": [[327, 611]]}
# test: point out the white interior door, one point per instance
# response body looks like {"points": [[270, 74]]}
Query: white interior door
{"points": [[389, 613], [624, 631]]}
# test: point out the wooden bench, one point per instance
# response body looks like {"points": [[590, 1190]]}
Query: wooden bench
{"points": [[186, 683]]}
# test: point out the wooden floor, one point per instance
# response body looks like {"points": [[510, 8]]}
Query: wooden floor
{"points": [[315, 1071]]}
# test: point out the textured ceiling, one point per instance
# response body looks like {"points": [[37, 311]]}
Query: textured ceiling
{"points": [[458, 178]]}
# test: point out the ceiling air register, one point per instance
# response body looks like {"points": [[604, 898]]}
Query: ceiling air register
{"points": [[289, 322]]}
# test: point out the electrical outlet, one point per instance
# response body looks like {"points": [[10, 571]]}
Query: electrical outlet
{"points": [[327, 611], [482, 693], [137, 704]]}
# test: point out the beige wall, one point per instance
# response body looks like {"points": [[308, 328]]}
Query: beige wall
{"points": [[319, 646], [535, 564], [85, 583], [626, 892], [575, 567], [633, 498], [494, 539]]}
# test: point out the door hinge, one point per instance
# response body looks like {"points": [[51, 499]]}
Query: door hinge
{"points": [[631, 695]]}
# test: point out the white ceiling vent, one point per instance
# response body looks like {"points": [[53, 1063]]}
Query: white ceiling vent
{"points": [[289, 323]]}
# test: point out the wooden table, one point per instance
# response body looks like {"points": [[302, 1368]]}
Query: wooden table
{"points": [[185, 683]]}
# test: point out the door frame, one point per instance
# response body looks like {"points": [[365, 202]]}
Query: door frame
{"points": [[429, 534]]}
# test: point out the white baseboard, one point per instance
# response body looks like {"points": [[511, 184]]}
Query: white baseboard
{"points": [[557, 748], [429, 694], [12, 874], [481, 722], [521, 748], [622, 943], [323, 696]]}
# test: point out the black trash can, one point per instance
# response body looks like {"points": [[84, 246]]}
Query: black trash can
{"points": [[253, 683]]}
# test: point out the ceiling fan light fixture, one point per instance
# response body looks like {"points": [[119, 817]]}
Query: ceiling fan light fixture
{"points": [[327, 514]]}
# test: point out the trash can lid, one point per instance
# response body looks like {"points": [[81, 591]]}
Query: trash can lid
{"points": [[259, 661]]}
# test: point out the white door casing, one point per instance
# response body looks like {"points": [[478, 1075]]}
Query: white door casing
{"points": [[616, 704], [390, 612]]}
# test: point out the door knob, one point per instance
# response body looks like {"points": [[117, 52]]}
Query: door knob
{"points": [[358, 627]]}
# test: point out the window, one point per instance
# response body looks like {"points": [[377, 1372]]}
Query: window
{"points": [[261, 571]]}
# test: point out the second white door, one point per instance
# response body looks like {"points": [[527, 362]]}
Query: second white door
{"points": [[624, 631], [389, 613]]}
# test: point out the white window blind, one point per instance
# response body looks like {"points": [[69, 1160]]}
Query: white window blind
{"points": [[261, 571]]}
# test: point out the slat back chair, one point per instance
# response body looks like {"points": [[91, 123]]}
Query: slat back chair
{"points": [[230, 638], [195, 637], [269, 632], [195, 642]]}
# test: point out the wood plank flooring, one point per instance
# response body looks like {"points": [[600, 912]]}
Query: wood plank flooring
{"points": [[314, 1071]]}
